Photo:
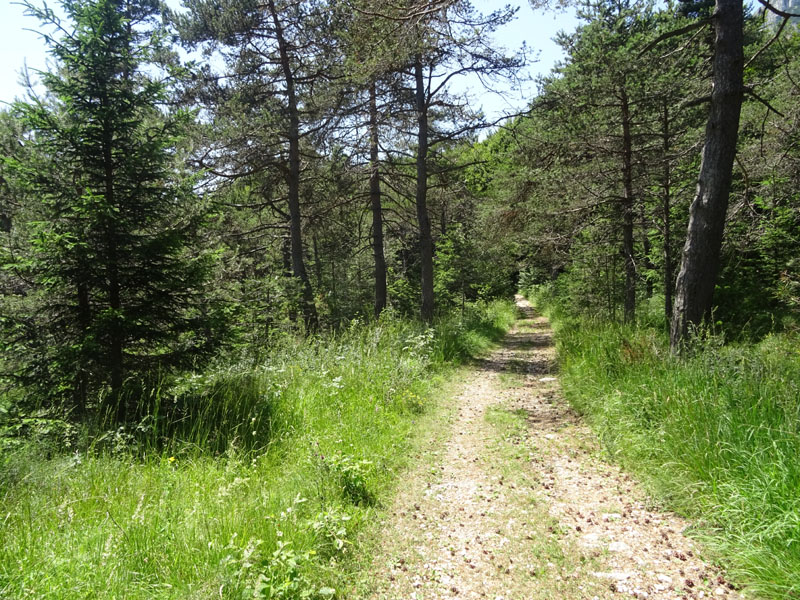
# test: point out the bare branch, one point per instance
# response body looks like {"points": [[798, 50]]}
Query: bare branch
{"points": [[777, 11], [675, 32], [751, 91], [769, 43]]}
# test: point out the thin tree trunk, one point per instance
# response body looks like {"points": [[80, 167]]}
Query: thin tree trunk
{"points": [[115, 341], [81, 390], [5, 213], [628, 209], [293, 179], [694, 289], [649, 267], [286, 253], [666, 200], [375, 200], [334, 299], [317, 261], [423, 220]]}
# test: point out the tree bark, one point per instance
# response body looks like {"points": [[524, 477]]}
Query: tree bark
{"points": [[375, 200], [694, 288], [666, 200], [292, 175], [649, 267], [423, 220], [317, 261], [80, 393], [115, 335], [286, 253], [628, 209]]}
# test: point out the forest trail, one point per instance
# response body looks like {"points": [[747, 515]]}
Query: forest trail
{"points": [[515, 502]]}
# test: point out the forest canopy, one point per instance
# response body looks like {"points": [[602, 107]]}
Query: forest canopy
{"points": [[188, 186]]}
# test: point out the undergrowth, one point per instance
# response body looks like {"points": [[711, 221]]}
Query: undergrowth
{"points": [[716, 435], [246, 481]]}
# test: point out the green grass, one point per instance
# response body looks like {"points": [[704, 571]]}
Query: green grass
{"points": [[716, 436], [246, 481]]}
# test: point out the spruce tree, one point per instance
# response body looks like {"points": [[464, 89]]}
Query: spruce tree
{"points": [[112, 249]]}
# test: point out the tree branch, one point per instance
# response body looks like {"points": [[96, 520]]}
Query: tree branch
{"points": [[769, 43], [751, 91], [777, 11], [675, 32]]}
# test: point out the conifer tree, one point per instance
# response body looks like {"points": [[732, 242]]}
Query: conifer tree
{"points": [[444, 41], [270, 102], [112, 246]]}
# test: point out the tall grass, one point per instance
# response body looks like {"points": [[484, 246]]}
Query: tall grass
{"points": [[245, 481], [717, 435]]}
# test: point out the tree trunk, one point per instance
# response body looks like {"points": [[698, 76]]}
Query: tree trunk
{"points": [[317, 261], [115, 335], [694, 288], [293, 179], [286, 253], [649, 267], [627, 209], [375, 200], [666, 200], [423, 220], [80, 392]]}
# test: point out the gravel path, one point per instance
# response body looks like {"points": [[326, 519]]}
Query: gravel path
{"points": [[517, 503]]}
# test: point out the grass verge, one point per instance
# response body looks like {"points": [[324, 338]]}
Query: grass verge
{"points": [[248, 481], [715, 436]]}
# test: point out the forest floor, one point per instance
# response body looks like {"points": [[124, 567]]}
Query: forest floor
{"points": [[514, 500]]}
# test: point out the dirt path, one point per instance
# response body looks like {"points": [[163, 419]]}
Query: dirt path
{"points": [[517, 503]]}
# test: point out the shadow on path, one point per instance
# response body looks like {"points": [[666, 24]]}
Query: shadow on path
{"points": [[526, 349]]}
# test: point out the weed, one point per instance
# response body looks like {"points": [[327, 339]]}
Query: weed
{"points": [[350, 477]]}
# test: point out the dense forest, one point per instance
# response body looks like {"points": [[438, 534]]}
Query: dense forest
{"points": [[246, 232]]}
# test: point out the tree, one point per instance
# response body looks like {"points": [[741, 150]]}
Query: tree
{"points": [[448, 41], [273, 96], [700, 260], [597, 105], [113, 243], [372, 54]]}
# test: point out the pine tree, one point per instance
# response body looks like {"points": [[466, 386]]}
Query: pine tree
{"points": [[270, 103]]}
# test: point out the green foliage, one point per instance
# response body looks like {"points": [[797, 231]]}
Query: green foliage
{"points": [[201, 501], [470, 332], [349, 476], [113, 254], [715, 436]]}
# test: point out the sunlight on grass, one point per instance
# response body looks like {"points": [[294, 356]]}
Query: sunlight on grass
{"points": [[247, 481], [716, 436]]}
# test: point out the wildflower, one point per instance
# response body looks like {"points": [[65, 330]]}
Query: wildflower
{"points": [[171, 459]]}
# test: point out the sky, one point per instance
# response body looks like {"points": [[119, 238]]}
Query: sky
{"points": [[20, 45]]}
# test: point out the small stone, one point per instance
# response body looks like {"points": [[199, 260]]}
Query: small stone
{"points": [[591, 538], [618, 547]]}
